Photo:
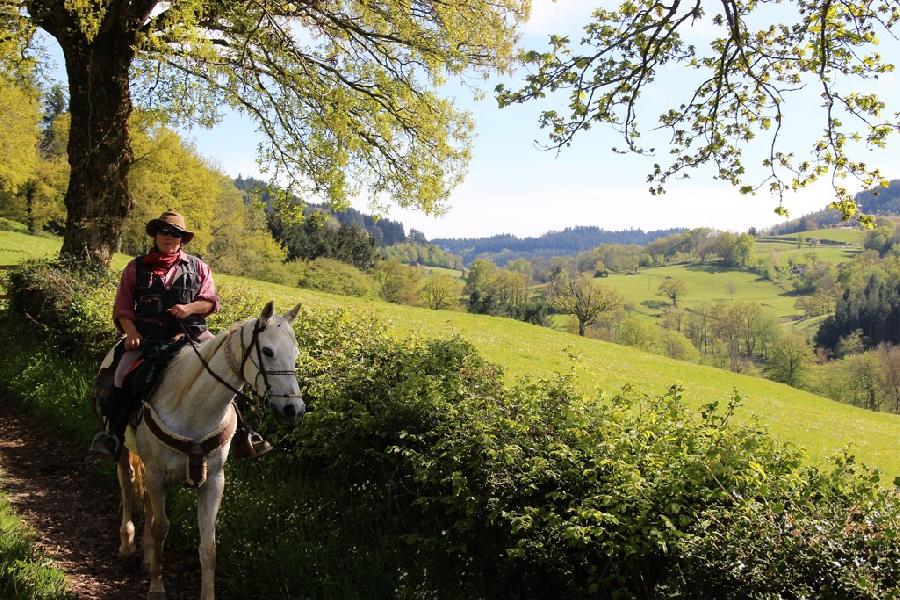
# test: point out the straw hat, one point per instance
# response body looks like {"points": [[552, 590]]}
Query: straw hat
{"points": [[171, 219]]}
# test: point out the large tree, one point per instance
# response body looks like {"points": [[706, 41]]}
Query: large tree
{"points": [[673, 289], [736, 72], [344, 90], [589, 301], [19, 119]]}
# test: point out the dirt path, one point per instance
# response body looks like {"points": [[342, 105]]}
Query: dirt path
{"points": [[76, 514]]}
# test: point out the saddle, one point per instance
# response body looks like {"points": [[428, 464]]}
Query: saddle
{"points": [[143, 376], [141, 379]]}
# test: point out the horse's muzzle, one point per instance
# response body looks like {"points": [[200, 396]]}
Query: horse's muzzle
{"points": [[291, 412]]}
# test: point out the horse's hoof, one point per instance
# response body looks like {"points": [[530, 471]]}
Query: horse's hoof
{"points": [[129, 560], [156, 596]]}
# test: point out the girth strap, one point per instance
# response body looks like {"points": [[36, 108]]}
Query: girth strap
{"points": [[194, 450]]}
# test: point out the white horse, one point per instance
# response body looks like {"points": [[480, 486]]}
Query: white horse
{"points": [[186, 427]]}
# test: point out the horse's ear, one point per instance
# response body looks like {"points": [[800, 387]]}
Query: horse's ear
{"points": [[267, 313], [292, 314]]}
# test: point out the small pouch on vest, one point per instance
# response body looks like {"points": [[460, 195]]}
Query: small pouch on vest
{"points": [[150, 306]]}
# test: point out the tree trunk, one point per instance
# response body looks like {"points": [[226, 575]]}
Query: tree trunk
{"points": [[97, 199], [580, 327], [30, 190]]}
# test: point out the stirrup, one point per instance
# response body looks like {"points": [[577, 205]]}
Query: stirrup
{"points": [[252, 446], [260, 446], [105, 444]]}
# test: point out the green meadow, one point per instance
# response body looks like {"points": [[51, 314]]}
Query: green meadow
{"points": [[17, 247], [819, 425], [790, 250], [706, 284], [845, 235]]}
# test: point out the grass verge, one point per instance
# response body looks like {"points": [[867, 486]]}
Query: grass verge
{"points": [[24, 572]]}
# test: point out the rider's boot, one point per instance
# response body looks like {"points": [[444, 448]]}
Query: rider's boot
{"points": [[247, 443], [109, 443]]}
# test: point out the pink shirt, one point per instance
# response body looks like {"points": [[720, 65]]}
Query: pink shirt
{"points": [[124, 306]]}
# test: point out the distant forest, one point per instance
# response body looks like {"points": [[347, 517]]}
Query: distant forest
{"points": [[384, 231], [877, 201], [503, 248]]}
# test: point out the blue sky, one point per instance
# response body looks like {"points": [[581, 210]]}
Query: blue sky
{"points": [[514, 187]]}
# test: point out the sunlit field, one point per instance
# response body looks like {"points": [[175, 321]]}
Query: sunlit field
{"points": [[16, 247], [788, 250], [846, 235], [705, 285]]}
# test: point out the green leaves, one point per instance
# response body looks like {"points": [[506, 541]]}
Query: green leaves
{"points": [[19, 119], [551, 492], [345, 91], [746, 77]]}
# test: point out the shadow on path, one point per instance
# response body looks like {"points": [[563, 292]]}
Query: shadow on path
{"points": [[74, 510]]}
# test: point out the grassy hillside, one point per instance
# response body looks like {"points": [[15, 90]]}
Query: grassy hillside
{"points": [[820, 425], [17, 247], [705, 284], [789, 249], [845, 235]]}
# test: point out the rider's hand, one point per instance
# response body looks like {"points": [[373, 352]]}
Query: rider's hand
{"points": [[133, 340], [180, 311]]}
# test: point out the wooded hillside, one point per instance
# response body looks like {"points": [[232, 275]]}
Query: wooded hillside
{"points": [[570, 241]]}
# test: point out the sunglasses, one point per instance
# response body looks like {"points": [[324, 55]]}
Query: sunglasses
{"points": [[168, 231]]}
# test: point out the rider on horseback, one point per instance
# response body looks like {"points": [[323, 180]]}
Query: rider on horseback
{"points": [[162, 296]]}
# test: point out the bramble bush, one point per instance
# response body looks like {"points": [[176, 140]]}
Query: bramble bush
{"points": [[418, 473]]}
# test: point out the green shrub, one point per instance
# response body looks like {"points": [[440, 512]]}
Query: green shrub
{"points": [[334, 277], [24, 573], [66, 300], [535, 491], [820, 534]]}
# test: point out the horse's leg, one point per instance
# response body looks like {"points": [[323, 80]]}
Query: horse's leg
{"points": [[147, 536], [126, 489], [159, 527], [207, 510]]}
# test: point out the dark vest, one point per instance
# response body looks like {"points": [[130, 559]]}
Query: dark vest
{"points": [[152, 300]]}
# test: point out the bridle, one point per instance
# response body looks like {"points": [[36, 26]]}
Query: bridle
{"points": [[239, 369], [246, 355]]}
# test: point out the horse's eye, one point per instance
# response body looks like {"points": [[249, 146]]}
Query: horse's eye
{"points": [[268, 352]]}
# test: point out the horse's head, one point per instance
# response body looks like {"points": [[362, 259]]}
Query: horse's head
{"points": [[274, 355]]}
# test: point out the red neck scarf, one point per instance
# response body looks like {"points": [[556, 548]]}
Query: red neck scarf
{"points": [[160, 263]]}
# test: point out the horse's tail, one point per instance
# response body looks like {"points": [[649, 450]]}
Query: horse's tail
{"points": [[137, 482]]}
